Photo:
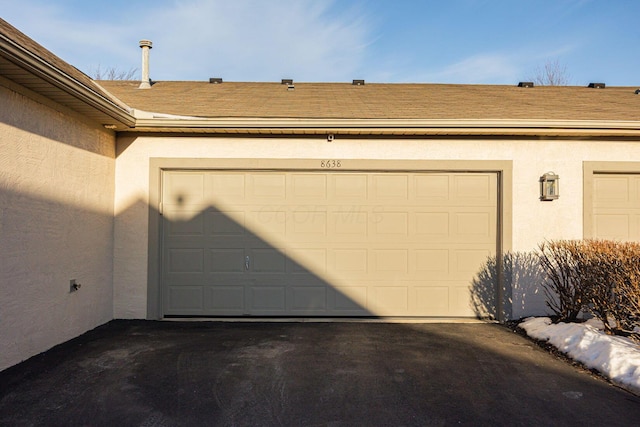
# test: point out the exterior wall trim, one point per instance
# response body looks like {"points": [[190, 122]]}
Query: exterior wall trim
{"points": [[503, 168]]}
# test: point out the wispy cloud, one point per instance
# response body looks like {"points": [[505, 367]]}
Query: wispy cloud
{"points": [[493, 67], [196, 39], [306, 40]]}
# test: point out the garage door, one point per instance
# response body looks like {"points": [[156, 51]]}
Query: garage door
{"points": [[289, 243], [616, 206]]}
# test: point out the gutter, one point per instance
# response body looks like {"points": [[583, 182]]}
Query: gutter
{"points": [[149, 122], [58, 78]]}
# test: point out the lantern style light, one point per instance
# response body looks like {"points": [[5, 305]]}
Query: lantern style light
{"points": [[549, 186]]}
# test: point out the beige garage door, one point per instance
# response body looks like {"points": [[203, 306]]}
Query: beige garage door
{"points": [[616, 206], [276, 243]]}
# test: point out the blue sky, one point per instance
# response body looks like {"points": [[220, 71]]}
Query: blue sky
{"points": [[445, 41]]}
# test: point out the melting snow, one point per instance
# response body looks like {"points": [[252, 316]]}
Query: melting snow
{"points": [[617, 358]]}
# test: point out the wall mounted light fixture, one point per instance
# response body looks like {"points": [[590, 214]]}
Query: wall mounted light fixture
{"points": [[549, 186]]}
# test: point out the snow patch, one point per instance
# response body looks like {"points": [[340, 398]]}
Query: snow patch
{"points": [[617, 358]]}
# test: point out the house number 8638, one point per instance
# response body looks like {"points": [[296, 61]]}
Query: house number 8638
{"points": [[330, 164]]}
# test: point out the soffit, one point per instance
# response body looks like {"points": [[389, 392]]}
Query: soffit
{"points": [[30, 65]]}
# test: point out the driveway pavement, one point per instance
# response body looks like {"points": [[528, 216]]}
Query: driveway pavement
{"points": [[137, 373]]}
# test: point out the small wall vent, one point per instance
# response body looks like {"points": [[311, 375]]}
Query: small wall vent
{"points": [[597, 85], [525, 84], [358, 82], [215, 80]]}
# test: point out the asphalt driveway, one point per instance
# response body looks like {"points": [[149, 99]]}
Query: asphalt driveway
{"points": [[137, 373]]}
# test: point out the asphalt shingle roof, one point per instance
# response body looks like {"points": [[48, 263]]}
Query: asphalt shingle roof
{"points": [[379, 101]]}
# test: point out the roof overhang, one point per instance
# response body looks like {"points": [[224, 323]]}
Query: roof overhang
{"points": [[406, 127], [33, 72]]}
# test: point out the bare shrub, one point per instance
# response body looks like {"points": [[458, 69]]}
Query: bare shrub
{"points": [[613, 284], [562, 286], [628, 286], [609, 273], [597, 264], [113, 73], [553, 73]]}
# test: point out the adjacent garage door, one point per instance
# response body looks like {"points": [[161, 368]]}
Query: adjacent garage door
{"points": [[291, 243], [616, 206]]}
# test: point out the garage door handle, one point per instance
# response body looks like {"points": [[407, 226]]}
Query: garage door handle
{"points": [[246, 263]]}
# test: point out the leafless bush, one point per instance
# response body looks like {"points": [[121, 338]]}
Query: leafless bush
{"points": [[562, 286], [113, 73], [553, 73], [610, 274], [599, 276]]}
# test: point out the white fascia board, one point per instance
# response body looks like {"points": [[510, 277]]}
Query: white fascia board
{"points": [[392, 126], [46, 71]]}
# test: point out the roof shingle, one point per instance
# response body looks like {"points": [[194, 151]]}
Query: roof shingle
{"points": [[380, 101]]}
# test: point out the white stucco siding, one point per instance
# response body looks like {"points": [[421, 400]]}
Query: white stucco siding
{"points": [[56, 224], [533, 220]]}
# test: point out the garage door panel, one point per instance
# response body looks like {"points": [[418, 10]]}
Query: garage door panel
{"points": [[472, 226], [226, 223], [226, 299], [185, 299], [311, 299], [350, 261], [184, 188], [612, 226], [263, 260], [473, 188], [185, 260], [616, 206], [460, 302], [389, 261], [225, 187], [272, 186], [327, 243], [350, 300], [388, 224], [389, 187], [267, 299], [349, 224], [307, 260], [268, 223], [307, 224], [431, 263], [611, 189], [466, 261], [432, 299], [390, 300], [185, 223], [432, 189], [227, 260], [349, 187], [308, 187], [432, 225]]}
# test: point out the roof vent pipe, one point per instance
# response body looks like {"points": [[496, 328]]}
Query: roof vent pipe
{"points": [[145, 82]]}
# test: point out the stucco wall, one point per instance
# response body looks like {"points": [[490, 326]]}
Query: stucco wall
{"points": [[56, 224], [533, 220]]}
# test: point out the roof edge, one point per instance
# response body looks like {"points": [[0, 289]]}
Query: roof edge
{"points": [[389, 126], [50, 73]]}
